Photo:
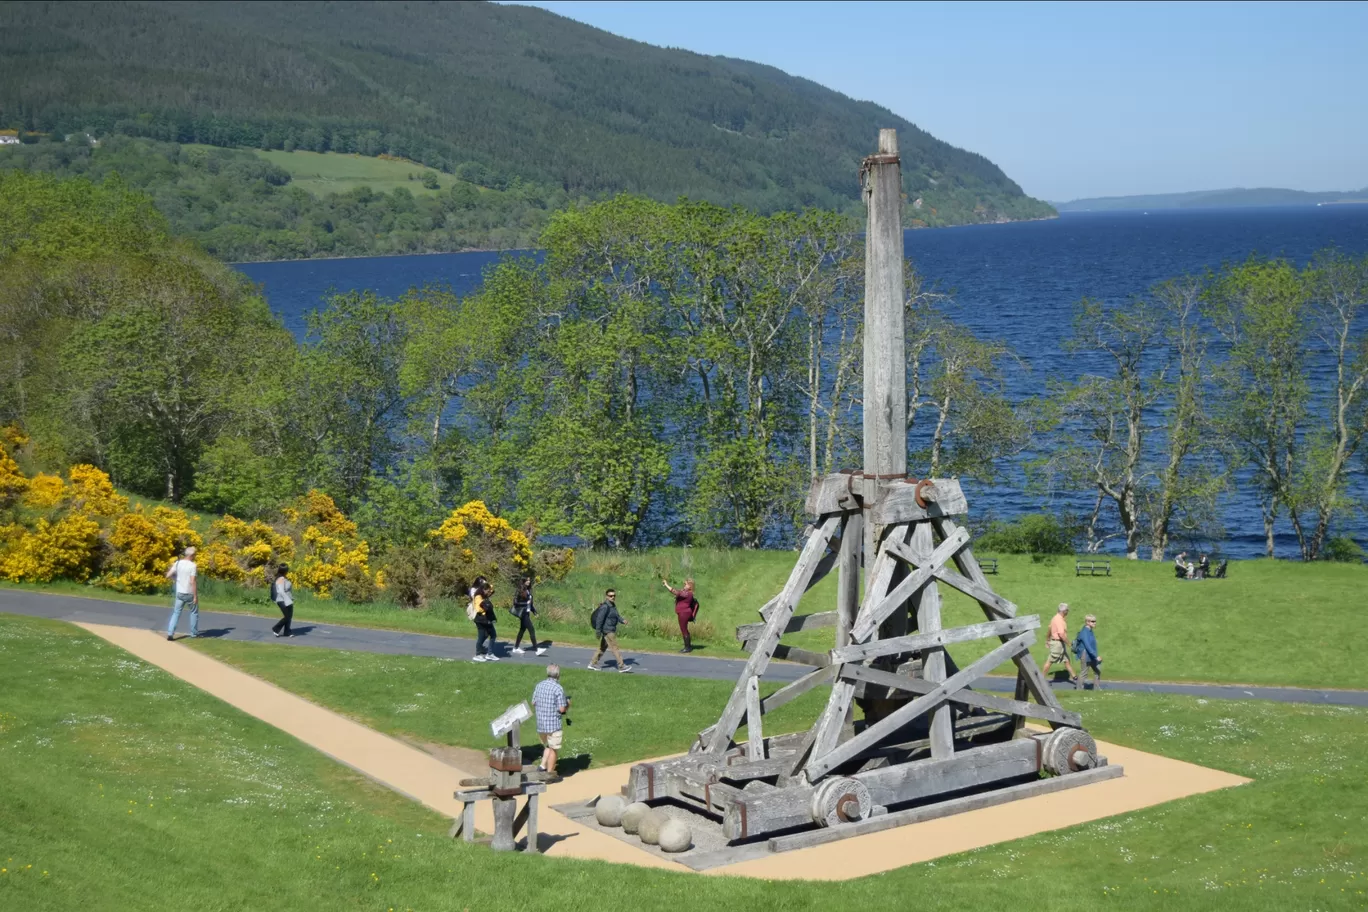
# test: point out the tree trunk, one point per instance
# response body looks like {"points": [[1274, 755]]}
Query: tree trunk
{"points": [[1268, 517]]}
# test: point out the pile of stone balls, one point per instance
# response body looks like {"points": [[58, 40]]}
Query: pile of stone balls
{"points": [[650, 826]]}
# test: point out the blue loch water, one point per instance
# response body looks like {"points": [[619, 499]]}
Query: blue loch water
{"points": [[1017, 282]]}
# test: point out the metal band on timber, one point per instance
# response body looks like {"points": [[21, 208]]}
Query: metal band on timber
{"points": [[927, 735]]}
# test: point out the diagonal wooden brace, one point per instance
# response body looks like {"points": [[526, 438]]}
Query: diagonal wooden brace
{"points": [[870, 618], [820, 765]]}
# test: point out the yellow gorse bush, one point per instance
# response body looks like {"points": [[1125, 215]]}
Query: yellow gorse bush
{"points": [[45, 491], [66, 549], [330, 554], [248, 545], [474, 515], [13, 484], [145, 544], [92, 492]]}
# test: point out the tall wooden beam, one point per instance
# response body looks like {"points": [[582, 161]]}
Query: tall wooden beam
{"points": [[933, 658], [848, 576]]}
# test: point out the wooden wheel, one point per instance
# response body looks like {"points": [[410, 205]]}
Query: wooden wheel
{"points": [[840, 800], [1068, 750]]}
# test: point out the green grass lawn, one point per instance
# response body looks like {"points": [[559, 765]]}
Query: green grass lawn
{"points": [[1270, 623], [127, 789], [322, 173]]}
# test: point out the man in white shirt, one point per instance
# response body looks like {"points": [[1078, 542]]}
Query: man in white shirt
{"points": [[186, 577]]}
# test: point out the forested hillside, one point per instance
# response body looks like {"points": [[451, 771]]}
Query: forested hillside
{"points": [[493, 94]]}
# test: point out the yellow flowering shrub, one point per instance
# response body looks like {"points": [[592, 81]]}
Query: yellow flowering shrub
{"points": [[330, 556], [252, 544], [510, 543], [145, 544], [216, 561], [12, 438], [66, 549], [93, 493], [13, 484], [45, 491]]}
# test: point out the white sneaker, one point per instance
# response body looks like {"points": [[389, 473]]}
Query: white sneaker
{"points": [[491, 658], [593, 667], [479, 658], [541, 650], [625, 669], [518, 650]]}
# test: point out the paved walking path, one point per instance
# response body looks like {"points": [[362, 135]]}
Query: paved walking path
{"points": [[363, 639], [1149, 779]]}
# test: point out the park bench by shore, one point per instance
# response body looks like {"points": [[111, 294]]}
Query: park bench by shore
{"points": [[989, 565], [1092, 568]]}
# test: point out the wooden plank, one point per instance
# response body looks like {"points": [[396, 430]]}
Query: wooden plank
{"points": [[980, 591], [820, 765], [848, 576], [802, 656], [928, 615], [963, 697], [870, 619], [918, 641], [754, 814], [896, 502], [532, 830], [884, 409], [944, 809], [978, 766], [760, 658], [800, 622], [796, 689], [755, 733], [823, 568]]}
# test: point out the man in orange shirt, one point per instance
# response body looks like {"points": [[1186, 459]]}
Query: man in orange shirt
{"points": [[1058, 643]]}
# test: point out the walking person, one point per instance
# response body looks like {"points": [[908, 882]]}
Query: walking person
{"points": [[1085, 649], [1058, 643], [606, 620], [523, 609], [482, 606], [550, 703], [283, 592], [185, 593], [686, 609]]}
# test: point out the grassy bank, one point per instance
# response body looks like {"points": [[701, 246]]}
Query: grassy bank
{"points": [[1270, 623], [127, 789]]}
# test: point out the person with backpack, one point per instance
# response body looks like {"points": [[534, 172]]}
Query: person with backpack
{"points": [[523, 609], [686, 609], [481, 611], [282, 591], [606, 620], [1085, 649]]}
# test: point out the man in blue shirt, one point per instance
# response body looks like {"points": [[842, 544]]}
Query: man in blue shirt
{"points": [[1085, 647], [550, 703]]}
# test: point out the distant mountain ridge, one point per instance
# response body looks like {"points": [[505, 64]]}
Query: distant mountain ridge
{"points": [[494, 94], [1234, 198]]}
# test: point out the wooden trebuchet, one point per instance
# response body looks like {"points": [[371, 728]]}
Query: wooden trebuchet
{"points": [[926, 736]]}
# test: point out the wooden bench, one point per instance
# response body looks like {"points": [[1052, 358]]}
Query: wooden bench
{"points": [[989, 565], [1092, 567]]}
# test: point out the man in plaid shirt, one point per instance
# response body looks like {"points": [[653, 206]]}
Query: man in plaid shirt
{"points": [[550, 703]]}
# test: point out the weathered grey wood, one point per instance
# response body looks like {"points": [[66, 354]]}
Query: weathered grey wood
{"points": [[756, 814], [532, 829], [760, 658], [918, 641], [796, 689], [981, 592], [800, 622], [755, 733], [889, 500], [740, 772], [802, 656], [972, 768], [885, 353], [928, 615], [943, 809], [827, 731], [848, 576], [468, 821], [820, 765], [1029, 672], [897, 502], [870, 619], [824, 565], [964, 697]]}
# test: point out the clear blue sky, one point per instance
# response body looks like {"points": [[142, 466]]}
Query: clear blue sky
{"points": [[1072, 100]]}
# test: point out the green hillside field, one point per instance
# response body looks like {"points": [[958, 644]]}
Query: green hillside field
{"points": [[322, 173]]}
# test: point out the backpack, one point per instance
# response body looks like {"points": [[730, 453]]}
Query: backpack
{"points": [[471, 611], [596, 619]]}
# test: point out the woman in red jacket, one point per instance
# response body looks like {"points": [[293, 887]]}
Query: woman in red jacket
{"points": [[686, 609]]}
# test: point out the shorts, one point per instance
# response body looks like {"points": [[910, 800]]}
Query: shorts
{"points": [[551, 740], [1058, 653]]}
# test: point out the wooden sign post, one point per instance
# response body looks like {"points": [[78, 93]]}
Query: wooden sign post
{"points": [[925, 733]]}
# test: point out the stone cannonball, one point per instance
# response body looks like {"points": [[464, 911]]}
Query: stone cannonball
{"points": [[631, 817], [608, 811], [675, 836], [648, 827]]}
